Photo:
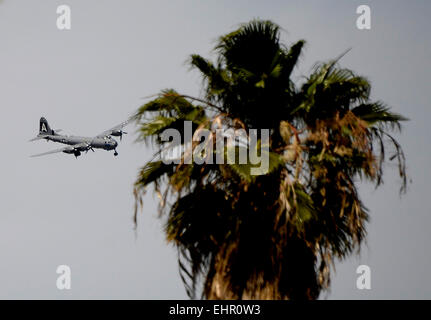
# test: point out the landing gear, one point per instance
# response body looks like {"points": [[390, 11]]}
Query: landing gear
{"points": [[115, 153]]}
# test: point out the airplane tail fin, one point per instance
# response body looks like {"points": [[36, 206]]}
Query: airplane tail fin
{"points": [[44, 128]]}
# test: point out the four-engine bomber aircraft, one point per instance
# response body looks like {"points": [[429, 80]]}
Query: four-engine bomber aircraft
{"points": [[79, 144]]}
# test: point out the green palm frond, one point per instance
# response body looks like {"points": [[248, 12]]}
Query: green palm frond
{"points": [[378, 113], [153, 171]]}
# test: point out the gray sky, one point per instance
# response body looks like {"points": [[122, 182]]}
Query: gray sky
{"points": [[57, 210]]}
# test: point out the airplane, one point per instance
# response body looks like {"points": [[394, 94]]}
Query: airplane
{"points": [[76, 144]]}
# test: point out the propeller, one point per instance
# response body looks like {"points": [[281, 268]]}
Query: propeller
{"points": [[89, 147], [118, 133]]}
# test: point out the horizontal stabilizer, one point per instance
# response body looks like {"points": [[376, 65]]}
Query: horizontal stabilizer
{"points": [[37, 138]]}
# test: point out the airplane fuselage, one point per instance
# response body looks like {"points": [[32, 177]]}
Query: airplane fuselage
{"points": [[106, 143]]}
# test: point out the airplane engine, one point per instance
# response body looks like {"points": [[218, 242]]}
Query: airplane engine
{"points": [[75, 152], [118, 133]]}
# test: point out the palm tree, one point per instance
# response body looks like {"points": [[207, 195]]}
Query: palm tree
{"points": [[274, 235]]}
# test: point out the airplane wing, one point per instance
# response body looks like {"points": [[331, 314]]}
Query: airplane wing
{"points": [[71, 149], [117, 130], [39, 136], [36, 138]]}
